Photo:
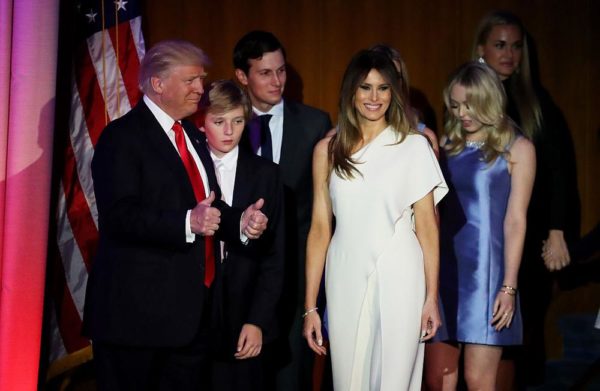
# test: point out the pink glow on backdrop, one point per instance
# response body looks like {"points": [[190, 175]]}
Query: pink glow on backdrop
{"points": [[28, 50]]}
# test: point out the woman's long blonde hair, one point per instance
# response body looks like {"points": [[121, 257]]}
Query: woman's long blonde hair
{"points": [[521, 85], [349, 135], [486, 102]]}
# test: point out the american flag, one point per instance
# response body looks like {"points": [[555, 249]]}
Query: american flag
{"points": [[103, 87]]}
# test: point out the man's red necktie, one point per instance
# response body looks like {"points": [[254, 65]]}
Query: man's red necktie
{"points": [[200, 193]]}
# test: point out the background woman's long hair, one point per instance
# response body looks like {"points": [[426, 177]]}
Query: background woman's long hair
{"points": [[521, 86], [349, 135]]}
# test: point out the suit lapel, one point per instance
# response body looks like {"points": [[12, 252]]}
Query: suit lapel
{"points": [[241, 187], [156, 136], [199, 142], [291, 131]]}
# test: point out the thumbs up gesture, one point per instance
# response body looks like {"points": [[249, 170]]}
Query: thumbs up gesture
{"points": [[204, 219], [254, 222]]}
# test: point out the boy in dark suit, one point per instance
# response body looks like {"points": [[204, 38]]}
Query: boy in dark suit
{"points": [[250, 276]]}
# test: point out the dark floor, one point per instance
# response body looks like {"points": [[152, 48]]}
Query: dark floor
{"points": [[578, 369]]}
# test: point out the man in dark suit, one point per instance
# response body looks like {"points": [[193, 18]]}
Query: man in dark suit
{"points": [[251, 276], [159, 206], [285, 132]]}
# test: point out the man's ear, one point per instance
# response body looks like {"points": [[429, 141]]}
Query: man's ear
{"points": [[156, 84], [202, 129], [241, 77]]}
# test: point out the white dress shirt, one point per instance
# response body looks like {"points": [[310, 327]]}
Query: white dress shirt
{"points": [[166, 122], [276, 127], [225, 168]]}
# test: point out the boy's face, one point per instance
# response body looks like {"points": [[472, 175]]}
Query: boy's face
{"points": [[224, 130]]}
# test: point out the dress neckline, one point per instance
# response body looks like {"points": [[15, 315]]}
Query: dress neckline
{"points": [[474, 144], [365, 147]]}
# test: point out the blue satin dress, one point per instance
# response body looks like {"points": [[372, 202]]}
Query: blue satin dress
{"points": [[472, 249]]}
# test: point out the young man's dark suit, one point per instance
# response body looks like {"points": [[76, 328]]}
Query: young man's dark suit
{"points": [[303, 127], [146, 286], [251, 276]]}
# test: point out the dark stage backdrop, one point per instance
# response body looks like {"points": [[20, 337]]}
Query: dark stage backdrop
{"points": [[434, 37]]}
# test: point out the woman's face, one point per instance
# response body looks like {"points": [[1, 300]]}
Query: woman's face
{"points": [[373, 97], [503, 49], [461, 110]]}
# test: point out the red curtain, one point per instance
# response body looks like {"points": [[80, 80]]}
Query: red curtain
{"points": [[28, 50]]}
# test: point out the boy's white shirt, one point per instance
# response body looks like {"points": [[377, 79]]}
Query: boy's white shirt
{"points": [[225, 168]]}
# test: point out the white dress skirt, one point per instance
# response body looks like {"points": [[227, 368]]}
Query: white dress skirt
{"points": [[375, 281]]}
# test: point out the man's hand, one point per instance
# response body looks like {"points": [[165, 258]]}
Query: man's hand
{"points": [[204, 219], [249, 343], [254, 222], [555, 251]]}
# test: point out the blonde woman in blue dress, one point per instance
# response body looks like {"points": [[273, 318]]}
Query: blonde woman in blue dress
{"points": [[490, 169], [379, 178]]}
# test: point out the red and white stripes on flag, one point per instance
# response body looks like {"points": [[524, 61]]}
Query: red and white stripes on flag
{"points": [[103, 87]]}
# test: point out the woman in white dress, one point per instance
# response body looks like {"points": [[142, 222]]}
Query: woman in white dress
{"points": [[379, 178]]}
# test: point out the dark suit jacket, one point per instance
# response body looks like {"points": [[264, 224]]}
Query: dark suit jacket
{"points": [[303, 127], [146, 285], [251, 276], [554, 200]]}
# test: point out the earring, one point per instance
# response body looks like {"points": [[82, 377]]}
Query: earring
{"points": [[481, 60]]}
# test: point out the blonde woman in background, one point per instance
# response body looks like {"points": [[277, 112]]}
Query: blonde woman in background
{"points": [[501, 41]]}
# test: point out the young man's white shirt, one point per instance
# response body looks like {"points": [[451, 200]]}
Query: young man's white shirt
{"points": [[276, 127]]}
